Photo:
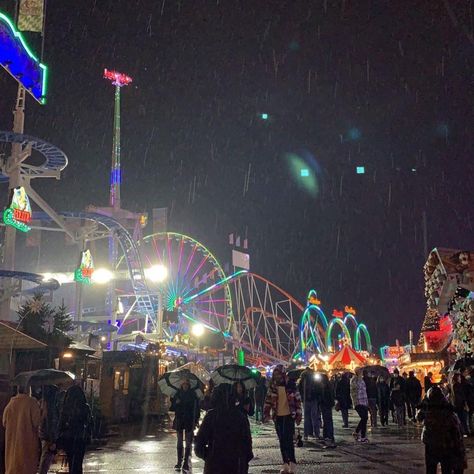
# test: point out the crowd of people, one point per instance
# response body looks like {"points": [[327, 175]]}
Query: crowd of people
{"points": [[36, 427], [224, 440]]}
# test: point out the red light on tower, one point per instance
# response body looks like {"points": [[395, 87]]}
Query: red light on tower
{"points": [[117, 78]]}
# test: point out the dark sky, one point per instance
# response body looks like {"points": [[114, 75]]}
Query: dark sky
{"points": [[384, 84]]}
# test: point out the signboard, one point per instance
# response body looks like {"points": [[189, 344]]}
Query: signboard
{"points": [[337, 313], [18, 60], [18, 215], [84, 273], [240, 259], [350, 310]]}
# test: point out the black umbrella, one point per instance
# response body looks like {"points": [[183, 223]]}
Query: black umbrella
{"points": [[295, 374], [232, 373], [43, 377], [463, 363], [170, 382]]}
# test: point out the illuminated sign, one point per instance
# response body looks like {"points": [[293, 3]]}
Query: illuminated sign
{"points": [[18, 215], [313, 298], [337, 314], [17, 58], [350, 310], [84, 273]]}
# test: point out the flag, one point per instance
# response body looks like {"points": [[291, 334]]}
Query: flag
{"points": [[237, 241], [231, 239], [30, 15]]}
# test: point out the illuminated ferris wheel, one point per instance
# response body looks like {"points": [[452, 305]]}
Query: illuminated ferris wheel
{"points": [[189, 280]]}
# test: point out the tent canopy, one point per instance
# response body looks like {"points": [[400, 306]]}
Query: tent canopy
{"points": [[346, 356]]}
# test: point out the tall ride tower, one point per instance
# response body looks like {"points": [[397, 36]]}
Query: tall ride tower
{"points": [[119, 80]]}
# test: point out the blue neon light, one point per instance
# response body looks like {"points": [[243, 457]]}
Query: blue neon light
{"points": [[116, 176], [360, 169], [304, 173], [17, 58]]}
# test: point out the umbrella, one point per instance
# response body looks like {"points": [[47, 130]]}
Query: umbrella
{"points": [[232, 373], [170, 382], [43, 377], [295, 374], [378, 370], [463, 363], [198, 370]]}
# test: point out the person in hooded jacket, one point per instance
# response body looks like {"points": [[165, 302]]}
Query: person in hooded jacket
{"points": [[283, 402], [75, 428], [383, 399], [186, 407], [241, 400], [441, 434], [224, 440], [343, 397]]}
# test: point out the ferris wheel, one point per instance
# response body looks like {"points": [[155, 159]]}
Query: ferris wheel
{"points": [[189, 280]]}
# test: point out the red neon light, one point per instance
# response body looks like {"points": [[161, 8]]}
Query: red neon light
{"points": [[22, 216], [87, 272], [117, 78], [337, 314]]}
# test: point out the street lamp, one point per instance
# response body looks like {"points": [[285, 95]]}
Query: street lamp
{"points": [[102, 276], [197, 331], [156, 273]]}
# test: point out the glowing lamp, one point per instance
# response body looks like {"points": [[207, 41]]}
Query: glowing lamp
{"points": [[118, 78], [197, 330], [101, 276], [156, 273]]}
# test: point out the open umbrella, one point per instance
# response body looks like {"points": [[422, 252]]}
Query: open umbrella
{"points": [[295, 374], [170, 382], [232, 373], [43, 377], [378, 370]]}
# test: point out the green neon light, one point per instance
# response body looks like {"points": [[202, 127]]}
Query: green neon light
{"points": [[341, 324], [189, 318], [11, 221], [306, 322], [18, 35], [362, 328]]}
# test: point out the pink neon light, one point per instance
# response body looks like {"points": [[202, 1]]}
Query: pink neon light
{"points": [[169, 254], [117, 78], [180, 255], [189, 261], [220, 315], [212, 301], [200, 265]]}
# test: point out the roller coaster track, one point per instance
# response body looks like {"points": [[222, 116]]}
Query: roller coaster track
{"points": [[42, 285], [144, 301]]}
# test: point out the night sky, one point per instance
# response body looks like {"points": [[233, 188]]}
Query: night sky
{"points": [[382, 84]]}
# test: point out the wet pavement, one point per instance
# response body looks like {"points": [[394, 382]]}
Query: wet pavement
{"points": [[154, 451]]}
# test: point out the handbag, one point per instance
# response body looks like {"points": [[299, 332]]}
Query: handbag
{"points": [[337, 406]]}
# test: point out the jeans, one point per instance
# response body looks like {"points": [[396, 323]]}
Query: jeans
{"points": [[285, 428], [187, 435], [363, 413], [328, 427], [399, 415], [312, 418], [383, 410], [373, 411], [345, 416], [462, 415], [47, 457], [434, 456], [259, 411], [411, 408]]}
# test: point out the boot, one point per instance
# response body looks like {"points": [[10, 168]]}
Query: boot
{"points": [[180, 460], [187, 456]]}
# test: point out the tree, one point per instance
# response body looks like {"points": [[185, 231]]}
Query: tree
{"points": [[45, 323]]}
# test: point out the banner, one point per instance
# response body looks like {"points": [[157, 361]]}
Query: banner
{"points": [[30, 15]]}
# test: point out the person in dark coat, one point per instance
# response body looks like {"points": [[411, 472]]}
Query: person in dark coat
{"points": [[343, 397], [470, 400], [441, 434], [260, 394], [459, 400], [186, 407], [241, 400], [383, 399], [224, 441], [413, 393], [75, 428], [371, 387], [397, 396], [327, 404], [427, 382], [310, 396], [49, 427]]}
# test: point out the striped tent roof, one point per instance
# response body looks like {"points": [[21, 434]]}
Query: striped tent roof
{"points": [[347, 355]]}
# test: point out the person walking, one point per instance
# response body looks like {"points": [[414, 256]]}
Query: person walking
{"points": [[75, 428], [397, 397], [49, 427], [470, 400], [309, 395], [383, 399], [413, 392], [459, 400], [428, 382], [441, 434], [361, 406], [260, 394], [327, 404], [283, 402], [185, 404], [21, 420], [343, 397], [371, 387], [223, 440]]}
